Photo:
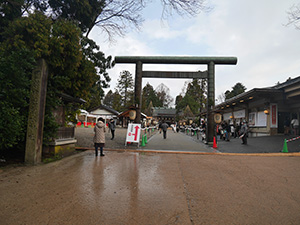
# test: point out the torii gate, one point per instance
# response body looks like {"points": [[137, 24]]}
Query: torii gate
{"points": [[209, 74]]}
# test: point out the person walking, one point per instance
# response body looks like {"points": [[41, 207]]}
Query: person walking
{"points": [[244, 133], [112, 127], [295, 124], [232, 129], [164, 127], [99, 137], [228, 131], [287, 126]]}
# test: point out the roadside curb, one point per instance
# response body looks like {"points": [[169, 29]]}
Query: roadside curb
{"points": [[280, 154]]}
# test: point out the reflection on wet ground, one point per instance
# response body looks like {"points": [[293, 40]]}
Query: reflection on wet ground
{"points": [[133, 185], [150, 188]]}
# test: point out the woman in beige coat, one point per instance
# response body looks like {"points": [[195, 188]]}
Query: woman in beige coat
{"points": [[99, 138]]}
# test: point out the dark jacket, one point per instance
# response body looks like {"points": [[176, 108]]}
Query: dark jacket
{"points": [[164, 126], [112, 125]]}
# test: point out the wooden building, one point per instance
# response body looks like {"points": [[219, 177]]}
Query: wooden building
{"points": [[265, 109]]}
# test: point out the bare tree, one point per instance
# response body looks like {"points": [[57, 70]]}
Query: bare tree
{"points": [[294, 16], [117, 16], [163, 93], [221, 98], [114, 17], [183, 7]]}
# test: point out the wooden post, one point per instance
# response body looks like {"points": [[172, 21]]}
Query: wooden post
{"points": [[34, 139], [138, 90], [210, 103]]}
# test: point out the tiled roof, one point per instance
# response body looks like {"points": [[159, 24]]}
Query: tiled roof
{"points": [[157, 111], [106, 108]]}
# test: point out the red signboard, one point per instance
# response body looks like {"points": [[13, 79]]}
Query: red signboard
{"points": [[274, 115]]}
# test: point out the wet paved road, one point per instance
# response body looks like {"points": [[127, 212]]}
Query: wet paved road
{"points": [[176, 142], [148, 188]]}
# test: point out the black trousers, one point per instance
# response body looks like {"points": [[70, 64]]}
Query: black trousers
{"points": [[112, 134], [165, 134], [99, 145], [244, 139]]}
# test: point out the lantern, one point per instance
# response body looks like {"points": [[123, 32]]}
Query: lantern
{"points": [[132, 114]]}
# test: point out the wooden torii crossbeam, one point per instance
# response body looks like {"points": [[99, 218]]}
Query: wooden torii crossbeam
{"points": [[209, 75]]}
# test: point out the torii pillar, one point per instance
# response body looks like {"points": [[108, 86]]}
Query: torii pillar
{"points": [[209, 75]]}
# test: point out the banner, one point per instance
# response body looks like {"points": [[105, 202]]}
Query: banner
{"points": [[273, 116]]}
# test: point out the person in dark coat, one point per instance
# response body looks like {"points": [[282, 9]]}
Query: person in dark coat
{"points": [[164, 127], [244, 133], [112, 127], [228, 131], [99, 138], [287, 124]]}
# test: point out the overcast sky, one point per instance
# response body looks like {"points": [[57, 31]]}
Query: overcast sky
{"points": [[253, 31]]}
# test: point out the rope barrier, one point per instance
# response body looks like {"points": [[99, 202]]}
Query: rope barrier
{"points": [[293, 139], [145, 128]]}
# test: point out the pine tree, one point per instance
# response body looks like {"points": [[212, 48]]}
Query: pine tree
{"points": [[125, 88]]}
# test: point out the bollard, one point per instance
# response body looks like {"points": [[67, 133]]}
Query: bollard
{"points": [[143, 141]]}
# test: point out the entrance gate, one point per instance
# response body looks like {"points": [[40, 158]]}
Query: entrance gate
{"points": [[209, 75]]}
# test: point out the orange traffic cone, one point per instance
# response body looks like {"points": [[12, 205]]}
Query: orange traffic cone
{"points": [[215, 143]]}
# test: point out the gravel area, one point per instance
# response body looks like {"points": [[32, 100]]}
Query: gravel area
{"points": [[85, 136]]}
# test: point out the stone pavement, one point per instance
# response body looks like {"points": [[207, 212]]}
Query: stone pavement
{"points": [[267, 144], [182, 142], [176, 142], [149, 188], [145, 187]]}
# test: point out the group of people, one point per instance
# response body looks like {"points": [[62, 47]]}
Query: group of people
{"points": [[99, 137], [226, 131]]}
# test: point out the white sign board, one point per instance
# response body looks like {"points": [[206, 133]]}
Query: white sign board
{"points": [[261, 119], [133, 133], [239, 114], [226, 116]]}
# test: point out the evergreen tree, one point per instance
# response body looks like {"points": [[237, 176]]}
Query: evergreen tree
{"points": [[113, 100], [73, 70], [195, 97], [108, 99], [117, 100], [237, 89], [125, 88], [150, 95], [149, 109], [188, 112]]}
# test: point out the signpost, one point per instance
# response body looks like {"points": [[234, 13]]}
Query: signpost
{"points": [[133, 133]]}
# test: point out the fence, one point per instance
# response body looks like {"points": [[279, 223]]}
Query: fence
{"points": [[66, 132]]}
